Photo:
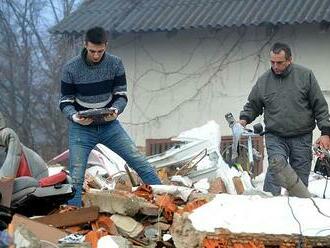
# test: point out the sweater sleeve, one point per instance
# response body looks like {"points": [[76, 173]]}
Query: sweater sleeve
{"points": [[68, 92], [119, 90], [319, 106], [254, 106]]}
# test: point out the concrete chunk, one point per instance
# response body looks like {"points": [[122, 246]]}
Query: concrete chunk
{"points": [[25, 238], [120, 202], [113, 242], [127, 225], [184, 234]]}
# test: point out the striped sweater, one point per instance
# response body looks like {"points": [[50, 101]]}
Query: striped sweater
{"points": [[86, 86]]}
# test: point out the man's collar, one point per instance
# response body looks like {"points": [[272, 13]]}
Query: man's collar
{"points": [[87, 61], [284, 73]]}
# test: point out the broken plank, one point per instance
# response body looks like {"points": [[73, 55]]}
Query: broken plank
{"points": [[71, 218]]}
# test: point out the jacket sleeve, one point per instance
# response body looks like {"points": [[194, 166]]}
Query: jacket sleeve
{"points": [[119, 90], [254, 106], [68, 92], [319, 106], [10, 140]]}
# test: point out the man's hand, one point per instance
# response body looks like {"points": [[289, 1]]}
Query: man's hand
{"points": [[81, 120], [323, 141], [113, 115], [243, 122]]}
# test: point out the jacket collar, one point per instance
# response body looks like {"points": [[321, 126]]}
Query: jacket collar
{"points": [[285, 73]]}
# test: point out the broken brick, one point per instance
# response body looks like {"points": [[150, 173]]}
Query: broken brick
{"points": [[238, 185], [166, 202], [217, 186], [107, 224], [94, 236], [144, 191]]}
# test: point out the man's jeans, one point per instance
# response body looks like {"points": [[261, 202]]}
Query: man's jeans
{"points": [[82, 139], [298, 150]]}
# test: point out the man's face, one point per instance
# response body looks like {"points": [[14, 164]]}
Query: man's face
{"points": [[95, 51], [278, 62]]}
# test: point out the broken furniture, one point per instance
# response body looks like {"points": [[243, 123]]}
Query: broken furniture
{"points": [[30, 199], [38, 193]]}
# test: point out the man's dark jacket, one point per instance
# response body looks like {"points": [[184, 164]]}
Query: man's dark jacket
{"points": [[292, 103]]}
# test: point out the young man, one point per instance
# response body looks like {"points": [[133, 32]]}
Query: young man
{"points": [[292, 102], [96, 79]]}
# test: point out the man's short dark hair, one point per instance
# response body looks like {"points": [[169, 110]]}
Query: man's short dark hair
{"points": [[278, 47], [96, 35]]}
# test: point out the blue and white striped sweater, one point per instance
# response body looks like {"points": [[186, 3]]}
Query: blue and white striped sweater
{"points": [[85, 86]]}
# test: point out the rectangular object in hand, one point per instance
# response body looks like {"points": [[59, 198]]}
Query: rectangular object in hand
{"points": [[95, 113]]}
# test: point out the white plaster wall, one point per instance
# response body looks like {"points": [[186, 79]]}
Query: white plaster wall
{"points": [[180, 80]]}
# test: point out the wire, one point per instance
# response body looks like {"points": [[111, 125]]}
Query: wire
{"points": [[301, 241], [322, 230], [318, 208], [326, 182], [325, 188], [326, 178], [326, 167]]}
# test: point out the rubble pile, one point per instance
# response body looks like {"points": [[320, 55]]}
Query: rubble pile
{"points": [[122, 218], [117, 213], [198, 205]]}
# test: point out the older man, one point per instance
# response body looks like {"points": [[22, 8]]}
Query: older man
{"points": [[292, 103]]}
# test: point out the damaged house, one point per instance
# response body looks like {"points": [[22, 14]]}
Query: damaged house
{"points": [[198, 59]]}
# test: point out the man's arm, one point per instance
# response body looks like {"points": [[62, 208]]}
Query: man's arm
{"points": [[119, 91], [68, 92], [321, 112], [253, 108]]}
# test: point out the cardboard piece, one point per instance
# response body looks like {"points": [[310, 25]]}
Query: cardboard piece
{"points": [[6, 190], [41, 231]]}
